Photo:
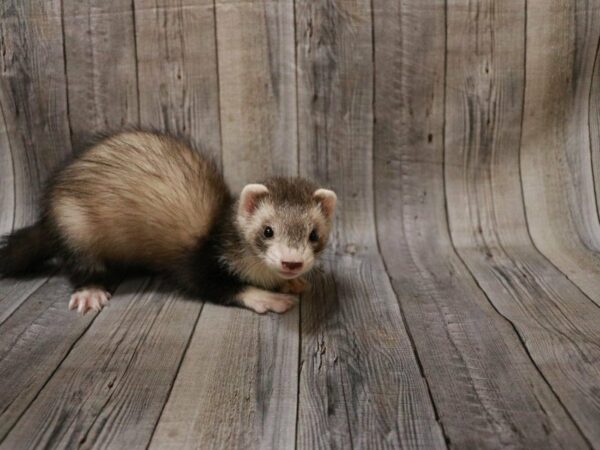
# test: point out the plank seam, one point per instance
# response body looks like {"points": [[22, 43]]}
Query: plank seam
{"points": [[300, 363], [380, 254], [176, 374], [137, 68], [64, 49], [594, 175], [12, 164], [297, 83], [221, 163]]}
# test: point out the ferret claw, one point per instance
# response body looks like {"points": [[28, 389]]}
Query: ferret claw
{"points": [[90, 298], [295, 286]]}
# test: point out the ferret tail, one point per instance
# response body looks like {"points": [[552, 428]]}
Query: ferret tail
{"points": [[25, 250]]}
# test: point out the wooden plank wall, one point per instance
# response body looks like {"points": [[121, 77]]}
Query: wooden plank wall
{"points": [[459, 305]]}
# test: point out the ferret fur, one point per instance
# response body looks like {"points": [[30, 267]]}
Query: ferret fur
{"points": [[150, 200]]}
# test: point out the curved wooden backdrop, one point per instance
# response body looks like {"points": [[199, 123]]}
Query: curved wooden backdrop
{"points": [[460, 305]]}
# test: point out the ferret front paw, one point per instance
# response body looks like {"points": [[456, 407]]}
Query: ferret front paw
{"points": [[262, 301], [91, 297], [295, 286]]}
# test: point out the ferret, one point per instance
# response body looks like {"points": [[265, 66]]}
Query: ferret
{"points": [[153, 201]]}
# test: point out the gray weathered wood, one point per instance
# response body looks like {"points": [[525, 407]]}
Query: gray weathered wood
{"points": [[257, 89], [13, 292], [33, 342], [177, 69], [557, 322], [594, 123], [7, 178], [459, 305], [34, 129], [475, 365], [33, 100], [99, 34], [35, 137], [110, 389], [555, 158], [360, 383], [237, 385]]}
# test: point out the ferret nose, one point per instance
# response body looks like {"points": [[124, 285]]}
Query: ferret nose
{"points": [[291, 265]]}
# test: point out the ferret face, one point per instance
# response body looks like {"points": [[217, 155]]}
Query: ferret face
{"points": [[286, 223]]}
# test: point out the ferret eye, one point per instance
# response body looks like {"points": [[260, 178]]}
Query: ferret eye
{"points": [[313, 236], [268, 232]]}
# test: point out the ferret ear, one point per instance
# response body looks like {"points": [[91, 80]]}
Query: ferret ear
{"points": [[250, 196], [327, 199]]}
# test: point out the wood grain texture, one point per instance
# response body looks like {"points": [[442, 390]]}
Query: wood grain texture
{"points": [[594, 123], [33, 342], [237, 385], [33, 106], [110, 390], [360, 383], [556, 149], [257, 89], [177, 69], [472, 358], [335, 77], [100, 34], [35, 137], [7, 178], [459, 304], [553, 318], [13, 292]]}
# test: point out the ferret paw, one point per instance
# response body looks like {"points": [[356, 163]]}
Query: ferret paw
{"points": [[262, 301], [89, 298], [295, 286]]}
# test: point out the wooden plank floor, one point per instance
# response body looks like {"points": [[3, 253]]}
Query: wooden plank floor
{"points": [[459, 303]]}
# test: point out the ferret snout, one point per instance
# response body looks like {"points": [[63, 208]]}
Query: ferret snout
{"points": [[288, 260], [292, 265]]}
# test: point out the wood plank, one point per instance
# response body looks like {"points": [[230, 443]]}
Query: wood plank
{"points": [[484, 385], [34, 132], [13, 292], [237, 385], [32, 98], [594, 123], [100, 66], [33, 342], [110, 389], [334, 110], [257, 82], [35, 137], [556, 165], [177, 67], [7, 178], [556, 321], [360, 383]]}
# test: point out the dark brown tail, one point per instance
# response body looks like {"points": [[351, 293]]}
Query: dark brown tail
{"points": [[26, 250]]}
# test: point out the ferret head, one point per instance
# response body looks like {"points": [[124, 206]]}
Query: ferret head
{"points": [[286, 223]]}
